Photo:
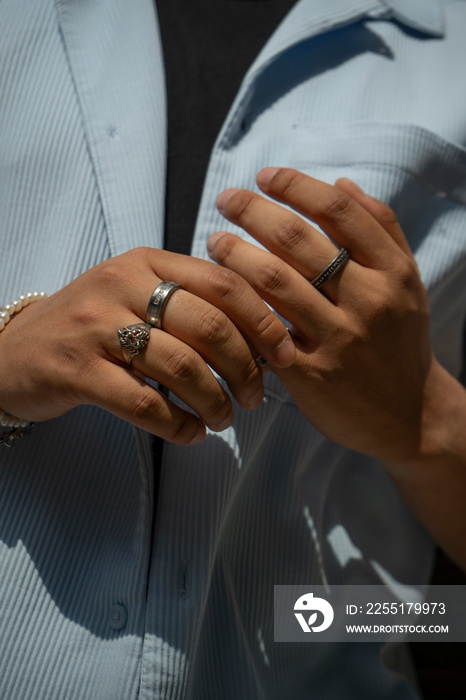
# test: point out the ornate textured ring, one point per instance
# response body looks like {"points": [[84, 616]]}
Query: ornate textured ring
{"points": [[133, 339], [331, 269], [157, 302]]}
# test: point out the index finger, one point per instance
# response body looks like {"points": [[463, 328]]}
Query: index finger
{"points": [[346, 222]]}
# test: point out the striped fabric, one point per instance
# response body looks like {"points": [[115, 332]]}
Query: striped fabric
{"points": [[99, 598]]}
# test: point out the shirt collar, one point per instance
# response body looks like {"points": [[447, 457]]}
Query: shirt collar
{"points": [[426, 16], [309, 18]]}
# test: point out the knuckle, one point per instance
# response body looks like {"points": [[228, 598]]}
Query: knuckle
{"points": [[181, 365], [329, 369], [109, 280], [378, 304], [219, 408], [111, 274], [387, 215], [407, 273], [119, 272], [90, 312], [142, 406], [335, 204], [182, 431], [292, 234], [285, 181], [224, 282], [142, 253], [214, 326], [267, 325], [271, 277], [250, 374], [353, 340]]}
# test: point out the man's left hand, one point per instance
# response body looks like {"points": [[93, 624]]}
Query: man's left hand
{"points": [[363, 350]]}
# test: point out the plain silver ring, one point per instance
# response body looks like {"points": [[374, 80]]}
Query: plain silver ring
{"points": [[157, 302], [331, 269]]}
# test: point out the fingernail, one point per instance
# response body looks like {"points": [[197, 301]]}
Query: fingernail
{"points": [[224, 424], [212, 242], [265, 175], [255, 401], [285, 352], [223, 198], [199, 437]]}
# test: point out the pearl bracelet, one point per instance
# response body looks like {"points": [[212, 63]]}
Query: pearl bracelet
{"points": [[12, 428]]}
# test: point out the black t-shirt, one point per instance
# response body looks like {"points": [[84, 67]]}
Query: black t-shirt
{"points": [[208, 47]]}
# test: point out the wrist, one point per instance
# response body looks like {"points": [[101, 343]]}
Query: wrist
{"points": [[432, 478], [11, 427], [441, 433]]}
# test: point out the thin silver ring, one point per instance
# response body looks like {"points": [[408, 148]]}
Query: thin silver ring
{"points": [[331, 269], [261, 361], [133, 339], [157, 302]]}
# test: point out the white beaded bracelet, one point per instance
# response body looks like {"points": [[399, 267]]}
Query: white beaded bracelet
{"points": [[12, 428]]}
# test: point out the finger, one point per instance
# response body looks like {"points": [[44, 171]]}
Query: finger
{"points": [[284, 233], [338, 214], [211, 333], [380, 211], [133, 280], [207, 330], [288, 236], [231, 294], [278, 283], [177, 366], [121, 392]]}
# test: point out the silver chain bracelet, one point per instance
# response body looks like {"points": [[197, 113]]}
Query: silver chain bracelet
{"points": [[12, 428]]}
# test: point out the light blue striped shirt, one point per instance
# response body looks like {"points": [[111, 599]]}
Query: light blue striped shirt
{"points": [[98, 598]]}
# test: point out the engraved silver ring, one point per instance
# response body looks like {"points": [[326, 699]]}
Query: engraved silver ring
{"points": [[158, 301], [331, 269]]}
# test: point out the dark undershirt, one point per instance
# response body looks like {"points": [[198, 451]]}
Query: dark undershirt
{"points": [[208, 47]]}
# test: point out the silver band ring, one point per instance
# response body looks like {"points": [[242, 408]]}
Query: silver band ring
{"points": [[157, 302], [261, 361], [331, 269], [133, 339]]}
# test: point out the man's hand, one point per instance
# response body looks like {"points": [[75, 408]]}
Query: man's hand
{"points": [[64, 351], [363, 348], [364, 373]]}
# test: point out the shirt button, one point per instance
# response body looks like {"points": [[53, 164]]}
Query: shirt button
{"points": [[118, 616]]}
